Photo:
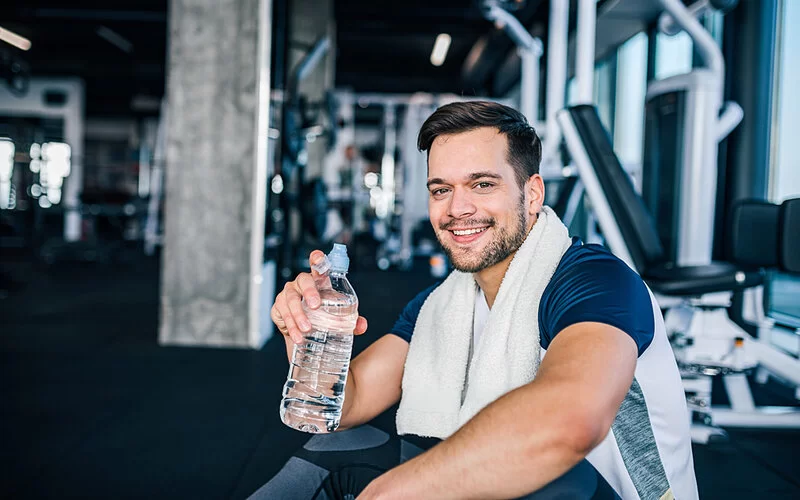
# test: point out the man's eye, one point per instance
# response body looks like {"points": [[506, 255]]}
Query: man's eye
{"points": [[484, 185], [439, 191]]}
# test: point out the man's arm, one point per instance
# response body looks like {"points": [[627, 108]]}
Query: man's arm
{"points": [[533, 434], [374, 381]]}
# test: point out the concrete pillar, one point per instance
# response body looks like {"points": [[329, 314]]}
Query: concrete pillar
{"points": [[216, 161]]}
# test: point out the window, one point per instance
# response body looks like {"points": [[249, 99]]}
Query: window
{"points": [[783, 290], [602, 93], [630, 92], [785, 175]]}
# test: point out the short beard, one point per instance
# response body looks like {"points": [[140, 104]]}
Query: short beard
{"points": [[504, 244]]}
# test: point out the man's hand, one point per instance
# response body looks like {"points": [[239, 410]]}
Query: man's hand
{"points": [[287, 312], [375, 375]]}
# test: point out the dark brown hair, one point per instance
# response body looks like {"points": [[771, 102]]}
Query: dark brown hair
{"points": [[524, 146]]}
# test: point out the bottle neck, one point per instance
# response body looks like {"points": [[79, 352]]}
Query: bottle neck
{"points": [[338, 274]]}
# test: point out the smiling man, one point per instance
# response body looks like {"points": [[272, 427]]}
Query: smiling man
{"points": [[539, 367]]}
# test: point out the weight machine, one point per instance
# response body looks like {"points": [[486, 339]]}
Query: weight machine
{"points": [[675, 258]]}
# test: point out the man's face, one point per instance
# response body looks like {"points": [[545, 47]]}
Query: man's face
{"points": [[477, 209]]}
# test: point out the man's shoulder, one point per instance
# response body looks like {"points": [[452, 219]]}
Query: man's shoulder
{"points": [[591, 263], [589, 259], [592, 284]]}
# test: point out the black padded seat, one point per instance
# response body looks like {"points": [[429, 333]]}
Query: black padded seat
{"points": [[667, 279], [638, 228]]}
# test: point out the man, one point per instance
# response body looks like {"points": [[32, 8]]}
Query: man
{"points": [[466, 359]]}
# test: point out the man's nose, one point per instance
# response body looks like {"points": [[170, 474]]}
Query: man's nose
{"points": [[461, 204]]}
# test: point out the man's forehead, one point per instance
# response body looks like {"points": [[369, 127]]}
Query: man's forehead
{"points": [[462, 156], [487, 134]]}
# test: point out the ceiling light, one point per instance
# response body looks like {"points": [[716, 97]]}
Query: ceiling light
{"points": [[17, 41], [440, 48]]}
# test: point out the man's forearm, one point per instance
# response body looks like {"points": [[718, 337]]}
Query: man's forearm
{"points": [[508, 450]]}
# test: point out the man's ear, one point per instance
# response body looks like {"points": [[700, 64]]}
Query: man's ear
{"points": [[534, 191]]}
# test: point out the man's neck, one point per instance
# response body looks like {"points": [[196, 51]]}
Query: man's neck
{"points": [[489, 279]]}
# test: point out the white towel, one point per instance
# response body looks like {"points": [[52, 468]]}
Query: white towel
{"points": [[508, 353]]}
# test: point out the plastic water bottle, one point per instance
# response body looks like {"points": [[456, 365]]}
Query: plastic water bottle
{"points": [[314, 391]]}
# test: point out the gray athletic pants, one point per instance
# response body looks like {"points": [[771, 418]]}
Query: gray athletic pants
{"points": [[340, 465]]}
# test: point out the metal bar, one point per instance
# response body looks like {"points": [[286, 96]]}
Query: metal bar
{"points": [[739, 392], [762, 417], [667, 24], [782, 365], [388, 160], [530, 51], [584, 57], [705, 45], [512, 27], [556, 75], [529, 85]]}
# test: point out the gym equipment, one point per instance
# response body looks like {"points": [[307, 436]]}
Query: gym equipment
{"points": [[314, 207], [302, 123], [685, 121], [673, 257], [699, 294], [153, 221], [530, 51]]}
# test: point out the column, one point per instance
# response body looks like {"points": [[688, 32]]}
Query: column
{"points": [[216, 161]]}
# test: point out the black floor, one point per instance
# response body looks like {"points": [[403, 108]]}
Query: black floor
{"points": [[92, 407]]}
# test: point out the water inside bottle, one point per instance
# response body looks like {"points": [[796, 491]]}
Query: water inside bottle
{"points": [[314, 391]]}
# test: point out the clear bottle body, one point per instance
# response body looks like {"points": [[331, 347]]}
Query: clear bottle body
{"points": [[314, 391]]}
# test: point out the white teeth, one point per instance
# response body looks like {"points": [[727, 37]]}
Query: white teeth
{"points": [[468, 231]]}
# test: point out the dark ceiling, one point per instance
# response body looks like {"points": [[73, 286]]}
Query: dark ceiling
{"points": [[65, 42], [381, 46]]}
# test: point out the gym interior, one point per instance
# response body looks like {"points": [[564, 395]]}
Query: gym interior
{"points": [[166, 167]]}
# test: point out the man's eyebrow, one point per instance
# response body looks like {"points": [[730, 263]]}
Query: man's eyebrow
{"points": [[472, 177], [480, 175], [435, 180]]}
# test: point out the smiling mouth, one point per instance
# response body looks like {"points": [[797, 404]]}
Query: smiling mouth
{"points": [[467, 232]]}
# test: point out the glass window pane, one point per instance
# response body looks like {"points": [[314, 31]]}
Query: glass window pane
{"points": [[603, 93], [782, 290], [785, 178], [631, 88]]}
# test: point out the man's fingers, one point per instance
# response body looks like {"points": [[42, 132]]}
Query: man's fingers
{"points": [[298, 315], [361, 325], [282, 318], [276, 318], [305, 286], [291, 327], [315, 258]]}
